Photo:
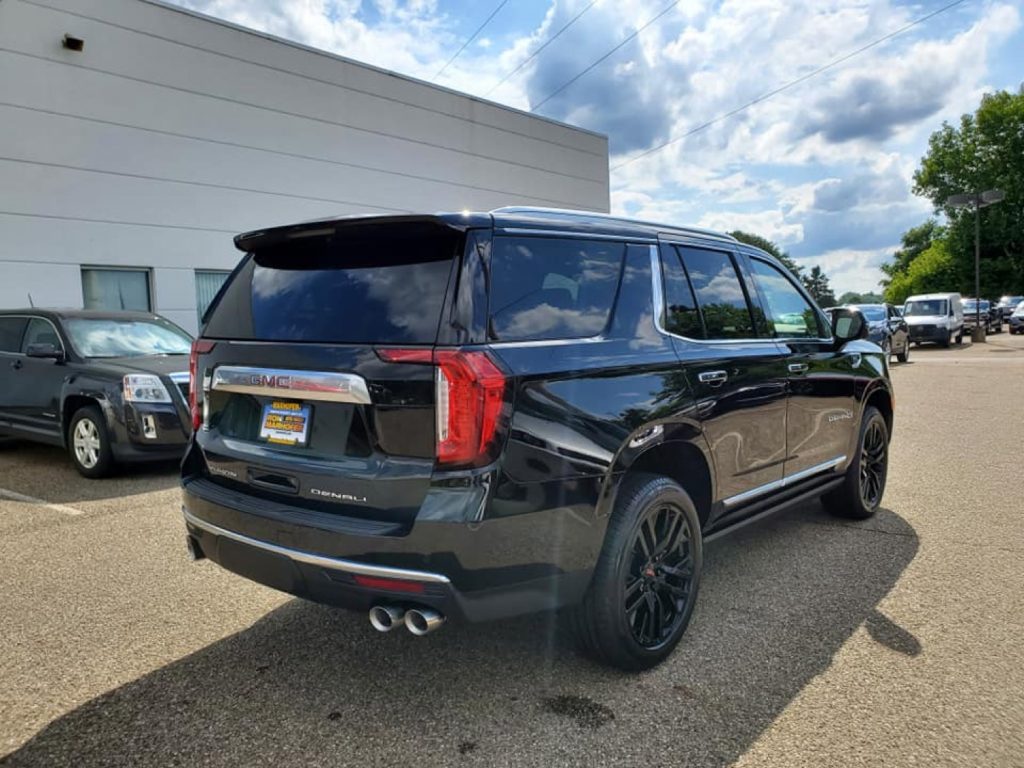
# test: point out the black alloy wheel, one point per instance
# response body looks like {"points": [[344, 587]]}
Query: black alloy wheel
{"points": [[659, 574], [860, 494], [645, 584], [873, 464]]}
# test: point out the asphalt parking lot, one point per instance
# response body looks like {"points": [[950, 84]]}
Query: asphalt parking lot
{"points": [[815, 642]]}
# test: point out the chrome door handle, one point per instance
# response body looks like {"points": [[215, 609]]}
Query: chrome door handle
{"points": [[713, 377], [16, 365], [798, 367]]}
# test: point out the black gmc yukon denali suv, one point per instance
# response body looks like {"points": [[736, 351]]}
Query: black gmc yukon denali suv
{"points": [[479, 415]]}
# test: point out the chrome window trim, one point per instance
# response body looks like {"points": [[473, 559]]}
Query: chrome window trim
{"points": [[326, 386], [775, 485], [321, 561]]}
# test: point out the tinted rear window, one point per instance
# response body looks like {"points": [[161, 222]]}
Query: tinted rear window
{"points": [[366, 284], [550, 288]]}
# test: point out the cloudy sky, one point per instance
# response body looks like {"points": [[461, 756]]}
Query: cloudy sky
{"points": [[823, 168]]}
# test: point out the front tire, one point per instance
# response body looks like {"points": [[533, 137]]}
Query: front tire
{"points": [[860, 494], [89, 443], [645, 583]]}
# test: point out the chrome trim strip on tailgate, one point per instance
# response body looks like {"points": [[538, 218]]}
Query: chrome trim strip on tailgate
{"points": [[307, 385], [332, 563]]}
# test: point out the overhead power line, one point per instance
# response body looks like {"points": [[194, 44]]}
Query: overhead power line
{"points": [[775, 92], [470, 39], [630, 37], [547, 42]]}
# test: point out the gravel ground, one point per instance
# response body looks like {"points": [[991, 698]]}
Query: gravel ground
{"points": [[815, 642]]}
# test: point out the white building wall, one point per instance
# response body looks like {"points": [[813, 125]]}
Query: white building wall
{"points": [[171, 132]]}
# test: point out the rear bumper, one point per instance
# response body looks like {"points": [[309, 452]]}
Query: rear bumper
{"points": [[473, 572]]}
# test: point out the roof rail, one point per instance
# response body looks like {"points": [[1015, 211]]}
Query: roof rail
{"points": [[526, 209]]}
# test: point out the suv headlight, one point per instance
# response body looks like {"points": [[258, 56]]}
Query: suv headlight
{"points": [[145, 388]]}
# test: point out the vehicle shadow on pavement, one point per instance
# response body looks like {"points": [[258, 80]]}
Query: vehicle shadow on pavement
{"points": [[310, 685], [46, 472]]}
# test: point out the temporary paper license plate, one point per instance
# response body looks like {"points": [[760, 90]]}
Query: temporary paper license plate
{"points": [[285, 423]]}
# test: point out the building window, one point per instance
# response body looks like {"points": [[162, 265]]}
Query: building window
{"points": [[208, 282], [116, 289]]}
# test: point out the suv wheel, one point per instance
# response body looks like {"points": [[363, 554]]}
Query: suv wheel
{"points": [[89, 443], [645, 584], [861, 492]]}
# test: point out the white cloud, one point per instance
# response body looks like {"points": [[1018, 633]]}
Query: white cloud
{"points": [[823, 168]]}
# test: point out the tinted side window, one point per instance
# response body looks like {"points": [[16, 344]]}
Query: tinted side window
{"points": [[789, 313], [719, 293], [11, 331], [681, 314], [548, 288], [40, 332]]}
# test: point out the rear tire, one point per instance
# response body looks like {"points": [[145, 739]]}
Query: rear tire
{"points": [[860, 494], [89, 443], [645, 583], [904, 356], [960, 338]]}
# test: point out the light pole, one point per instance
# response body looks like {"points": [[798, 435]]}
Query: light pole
{"points": [[978, 200]]}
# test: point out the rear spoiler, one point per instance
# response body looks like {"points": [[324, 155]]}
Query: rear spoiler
{"points": [[265, 238]]}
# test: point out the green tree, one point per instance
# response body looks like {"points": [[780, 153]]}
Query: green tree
{"points": [[916, 241], [851, 297], [985, 151], [768, 246], [933, 270], [816, 283]]}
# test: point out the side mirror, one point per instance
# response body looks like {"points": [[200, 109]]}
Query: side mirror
{"points": [[45, 351], [847, 325]]}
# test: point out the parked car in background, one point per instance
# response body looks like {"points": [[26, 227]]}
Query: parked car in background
{"points": [[486, 414], [887, 328], [935, 317], [1016, 319], [991, 319], [107, 386], [1007, 305]]}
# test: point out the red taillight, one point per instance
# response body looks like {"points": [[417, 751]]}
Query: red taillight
{"points": [[199, 347], [469, 401]]}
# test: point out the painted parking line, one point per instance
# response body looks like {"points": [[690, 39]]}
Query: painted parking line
{"points": [[64, 509]]}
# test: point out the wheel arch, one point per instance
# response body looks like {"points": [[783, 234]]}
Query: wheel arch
{"points": [[881, 398], [683, 462], [72, 402]]}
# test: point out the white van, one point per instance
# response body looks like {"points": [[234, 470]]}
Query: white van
{"points": [[937, 317]]}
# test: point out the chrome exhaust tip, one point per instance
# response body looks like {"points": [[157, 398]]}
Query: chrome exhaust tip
{"points": [[384, 618], [422, 621]]}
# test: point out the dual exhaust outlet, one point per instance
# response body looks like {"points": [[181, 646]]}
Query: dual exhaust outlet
{"points": [[419, 621]]}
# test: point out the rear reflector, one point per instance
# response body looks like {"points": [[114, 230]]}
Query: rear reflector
{"points": [[394, 585], [469, 402]]}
